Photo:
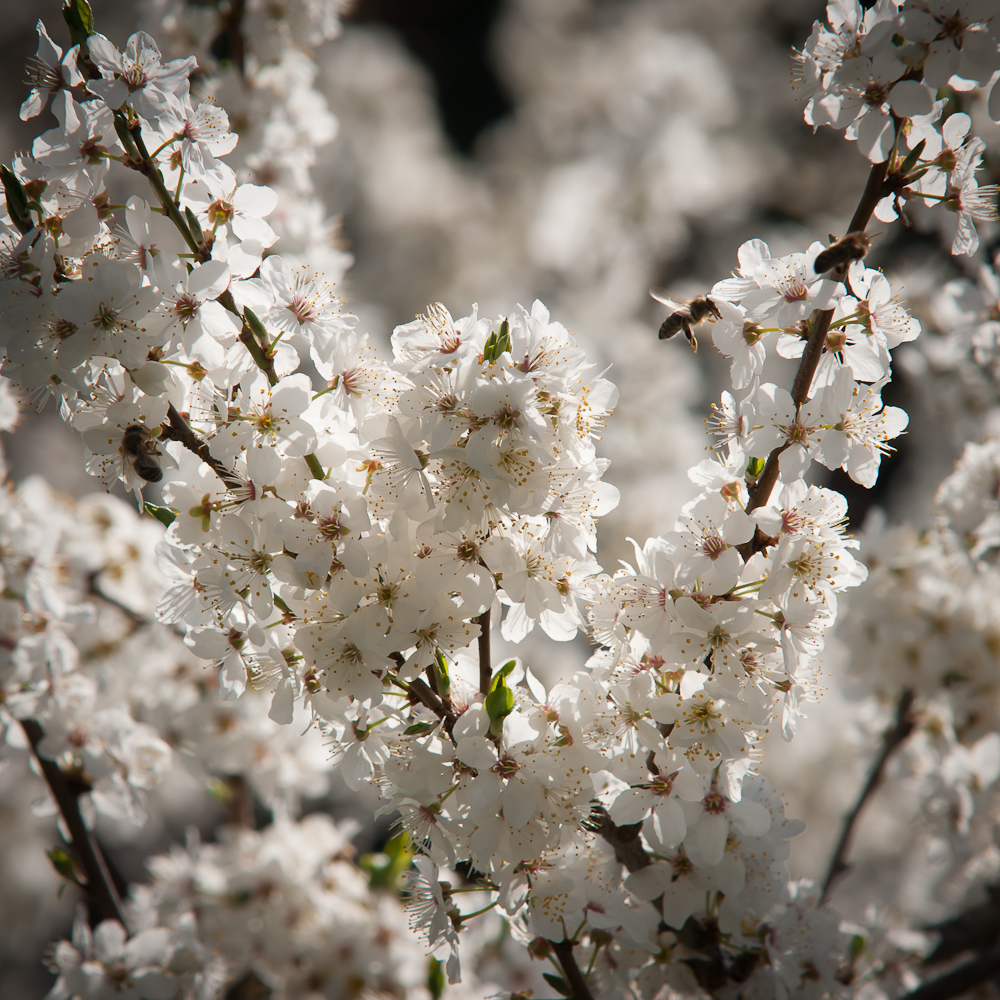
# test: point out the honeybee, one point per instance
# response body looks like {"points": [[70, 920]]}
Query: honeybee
{"points": [[139, 447], [685, 316], [848, 248]]}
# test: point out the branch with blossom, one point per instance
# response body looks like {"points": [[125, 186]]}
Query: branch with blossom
{"points": [[345, 537]]}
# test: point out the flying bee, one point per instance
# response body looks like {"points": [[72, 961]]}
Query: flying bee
{"points": [[139, 448], [685, 316], [848, 248]]}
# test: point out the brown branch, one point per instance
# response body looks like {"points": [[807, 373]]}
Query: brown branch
{"points": [[891, 740], [760, 493], [485, 656], [976, 929], [575, 979], [420, 692], [232, 27], [873, 193], [178, 429], [67, 792], [148, 168], [625, 841], [959, 981]]}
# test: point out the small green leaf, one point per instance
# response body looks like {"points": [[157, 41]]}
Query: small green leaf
{"points": [[557, 983], [165, 515], [253, 320], [64, 865], [441, 675], [497, 343], [386, 866], [79, 19], [911, 159], [755, 466], [499, 702], [418, 729], [194, 225], [435, 978], [503, 338], [17, 200]]}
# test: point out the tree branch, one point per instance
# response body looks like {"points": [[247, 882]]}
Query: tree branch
{"points": [[961, 980], [485, 656], [575, 979], [625, 840], [179, 430], [892, 739], [419, 691], [67, 792], [760, 493]]}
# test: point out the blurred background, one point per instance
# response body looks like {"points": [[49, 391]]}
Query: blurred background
{"points": [[582, 152]]}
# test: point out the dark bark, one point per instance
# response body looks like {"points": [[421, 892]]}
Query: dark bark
{"points": [[100, 885]]}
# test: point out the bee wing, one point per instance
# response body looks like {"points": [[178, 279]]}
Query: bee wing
{"points": [[671, 304]]}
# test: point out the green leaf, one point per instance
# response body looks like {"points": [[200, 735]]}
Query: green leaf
{"points": [[557, 983], [504, 671], [418, 729], [194, 225], [64, 865], [441, 675], [386, 866], [911, 159], [755, 466], [165, 515], [79, 19], [499, 702], [17, 200], [435, 978], [253, 320], [497, 343], [503, 339]]}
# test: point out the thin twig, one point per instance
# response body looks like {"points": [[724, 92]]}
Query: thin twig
{"points": [[178, 429], [485, 656], [901, 729], [420, 691], [961, 980], [575, 979], [152, 173], [100, 885], [240, 804]]}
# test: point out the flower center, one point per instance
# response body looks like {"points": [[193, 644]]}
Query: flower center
{"points": [[186, 307], [302, 309], [713, 547], [106, 318], [796, 291], [219, 212], [714, 803]]}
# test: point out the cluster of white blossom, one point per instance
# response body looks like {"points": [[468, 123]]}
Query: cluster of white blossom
{"points": [[256, 60], [925, 624], [285, 911], [81, 584], [345, 531], [872, 71]]}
